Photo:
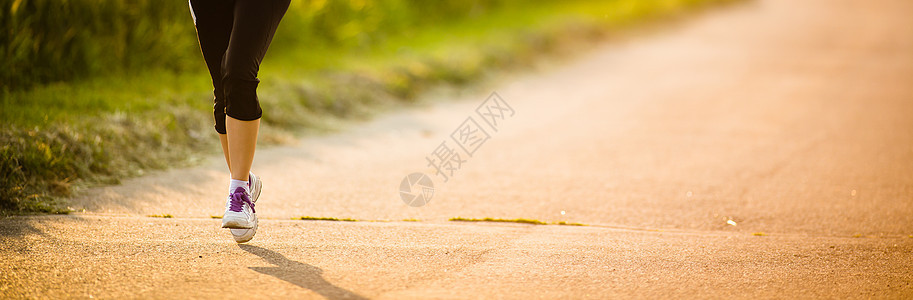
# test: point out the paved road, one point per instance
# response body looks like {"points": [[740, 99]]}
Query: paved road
{"points": [[761, 150]]}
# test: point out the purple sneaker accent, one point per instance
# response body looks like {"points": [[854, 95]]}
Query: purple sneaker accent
{"points": [[238, 198]]}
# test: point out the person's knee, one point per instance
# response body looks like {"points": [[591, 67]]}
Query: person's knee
{"points": [[241, 97], [218, 107], [220, 121], [218, 114]]}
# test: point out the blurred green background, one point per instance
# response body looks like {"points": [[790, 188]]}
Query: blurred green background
{"points": [[93, 91], [58, 40]]}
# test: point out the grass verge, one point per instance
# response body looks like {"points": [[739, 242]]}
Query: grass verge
{"points": [[309, 218], [57, 138], [521, 221]]}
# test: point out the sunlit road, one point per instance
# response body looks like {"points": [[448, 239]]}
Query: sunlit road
{"points": [[759, 150]]}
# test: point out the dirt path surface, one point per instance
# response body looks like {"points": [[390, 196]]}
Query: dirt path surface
{"points": [[764, 149]]}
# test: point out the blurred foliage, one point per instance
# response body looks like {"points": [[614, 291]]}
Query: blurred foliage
{"points": [[44, 41], [51, 40]]}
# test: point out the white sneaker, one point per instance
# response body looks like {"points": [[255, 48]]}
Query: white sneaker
{"points": [[239, 210], [245, 235]]}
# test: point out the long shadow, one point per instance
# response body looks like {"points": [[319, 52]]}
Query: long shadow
{"points": [[300, 274], [13, 228]]}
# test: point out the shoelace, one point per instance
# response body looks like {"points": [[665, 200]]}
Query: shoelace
{"points": [[238, 198]]}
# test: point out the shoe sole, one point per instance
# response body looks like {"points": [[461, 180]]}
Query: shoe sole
{"points": [[255, 191], [236, 223], [244, 235]]}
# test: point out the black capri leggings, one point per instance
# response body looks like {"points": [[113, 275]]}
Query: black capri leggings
{"points": [[234, 36]]}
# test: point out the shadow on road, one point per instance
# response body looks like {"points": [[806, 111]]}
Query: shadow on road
{"points": [[14, 227], [300, 274]]}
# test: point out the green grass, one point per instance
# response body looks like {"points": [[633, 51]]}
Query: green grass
{"points": [[569, 223], [165, 216], [522, 221], [309, 218], [101, 37], [59, 137], [455, 219]]}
